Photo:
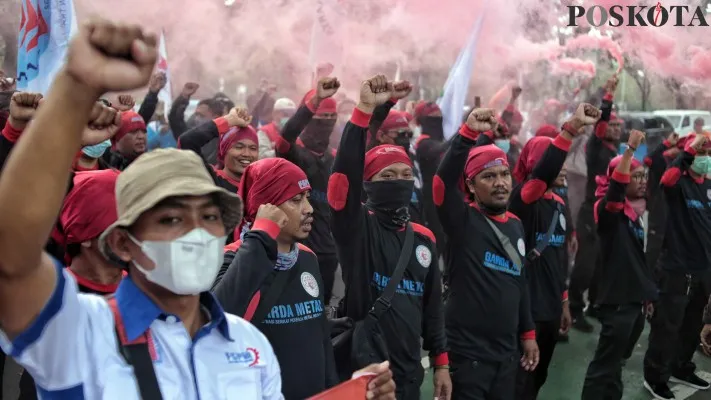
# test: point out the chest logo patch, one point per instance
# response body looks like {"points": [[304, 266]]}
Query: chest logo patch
{"points": [[561, 218], [309, 283], [423, 255], [521, 247]]}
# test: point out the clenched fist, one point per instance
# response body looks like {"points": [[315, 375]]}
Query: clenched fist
{"points": [[374, 92], [238, 117], [587, 114], [104, 122], [699, 142], [23, 106], [111, 57], [327, 87], [401, 89], [482, 120], [189, 89], [157, 82], [125, 102], [273, 213], [636, 138]]}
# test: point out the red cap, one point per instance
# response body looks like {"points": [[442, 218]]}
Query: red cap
{"points": [[395, 120], [90, 207], [130, 122], [327, 106], [547, 131], [423, 109], [383, 156]]}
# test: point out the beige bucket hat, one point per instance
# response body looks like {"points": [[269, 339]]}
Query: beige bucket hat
{"points": [[163, 173]]}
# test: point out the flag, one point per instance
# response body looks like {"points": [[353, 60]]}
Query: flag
{"points": [[166, 94], [46, 28], [457, 85], [326, 48]]}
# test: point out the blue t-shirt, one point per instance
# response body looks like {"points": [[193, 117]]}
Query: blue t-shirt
{"points": [[157, 140]]}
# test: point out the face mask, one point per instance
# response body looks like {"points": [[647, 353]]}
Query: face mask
{"points": [[196, 120], [432, 126], [503, 144], [404, 142], [561, 191], [282, 122], [389, 200], [187, 265], [96, 150], [317, 134], [701, 165]]}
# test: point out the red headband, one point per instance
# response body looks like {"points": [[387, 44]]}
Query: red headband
{"points": [[234, 135], [423, 109], [130, 122], [547, 131], [395, 120], [383, 156], [327, 106], [270, 180], [483, 157], [90, 207], [530, 154]]}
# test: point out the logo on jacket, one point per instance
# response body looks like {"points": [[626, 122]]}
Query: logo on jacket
{"points": [[561, 218], [521, 247], [423, 255], [249, 357], [309, 283]]}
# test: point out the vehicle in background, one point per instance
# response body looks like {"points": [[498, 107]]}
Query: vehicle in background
{"points": [[655, 126], [683, 120]]}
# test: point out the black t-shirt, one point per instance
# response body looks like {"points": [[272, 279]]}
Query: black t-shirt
{"points": [[369, 250], [688, 234], [488, 305], [296, 326]]}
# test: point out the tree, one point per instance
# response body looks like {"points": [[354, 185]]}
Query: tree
{"points": [[681, 101], [640, 76]]}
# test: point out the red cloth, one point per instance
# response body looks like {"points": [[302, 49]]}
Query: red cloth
{"points": [[394, 121], [383, 156], [423, 109], [483, 157], [271, 131], [234, 135], [547, 131], [615, 118], [688, 139], [327, 106], [530, 154], [90, 207], [603, 181], [130, 122], [270, 180]]}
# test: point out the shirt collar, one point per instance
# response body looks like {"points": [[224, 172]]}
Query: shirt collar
{"points": [[139, 311]]}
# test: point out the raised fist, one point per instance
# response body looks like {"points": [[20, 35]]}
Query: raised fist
{"points": [[189, 89], [273, 213], [239, 117], [327, 87], [611, 84], [515, 92], [23, 106], [482, 120], [157, 82], [699, 142], [375, 91], [125, 102], [110, 57], [401, 89], [636, 138], [104, 122], [587, 114]]}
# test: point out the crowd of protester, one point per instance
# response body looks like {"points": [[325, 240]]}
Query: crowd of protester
{"points": [[149, 255]]}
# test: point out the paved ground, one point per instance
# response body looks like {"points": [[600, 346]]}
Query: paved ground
{"points": [[570, 361]]}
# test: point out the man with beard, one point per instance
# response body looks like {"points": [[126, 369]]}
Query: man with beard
{"points": [[600, 149], [429, 149], [487, 281], [370, 239], [305, 142]]}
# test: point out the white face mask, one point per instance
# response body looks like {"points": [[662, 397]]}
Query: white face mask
{"points": [[187, 265]]}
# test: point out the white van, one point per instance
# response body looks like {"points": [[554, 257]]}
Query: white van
{"points": [[683, 120]]}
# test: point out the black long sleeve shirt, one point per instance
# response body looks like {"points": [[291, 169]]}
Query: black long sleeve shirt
{"points": [[368, 251], [488, 305], [536, 207], [296, 326], [598, 151], [148, 107], [688, 233], [317, 168], [625, 277], [194, 139]]}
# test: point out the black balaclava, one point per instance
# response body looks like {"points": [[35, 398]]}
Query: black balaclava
{"points": [[317, 134], [432, 127], [390, 201]]}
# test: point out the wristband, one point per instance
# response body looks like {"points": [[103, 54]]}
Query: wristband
{"points": [[631, 148], [568, 128], [440, 367]]}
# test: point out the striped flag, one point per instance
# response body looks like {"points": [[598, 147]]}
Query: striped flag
{"points": [[46, 28], [457, 85], [165, 95]]}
